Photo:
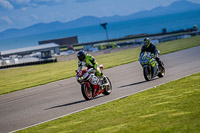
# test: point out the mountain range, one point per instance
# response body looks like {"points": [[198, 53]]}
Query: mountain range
{"points": [[176, 7]]}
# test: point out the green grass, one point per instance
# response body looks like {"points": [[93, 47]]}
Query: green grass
{"points": [[78, 47], [25, 77], [170, 108]]}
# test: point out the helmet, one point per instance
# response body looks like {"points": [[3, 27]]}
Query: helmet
{"points": [[81, 55], [146, 42]]}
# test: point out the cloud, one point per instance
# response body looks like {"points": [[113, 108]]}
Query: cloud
{"points": [[6, 4], [35, 16], [82, 0], [45, 1], [23, 8], [7, 19], [195, 1], [21, 1], [19, 4], [22, 4], [38, 3]]}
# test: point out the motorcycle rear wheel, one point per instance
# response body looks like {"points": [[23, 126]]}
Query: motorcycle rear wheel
{"points": [[162, 71], [86, 92]]}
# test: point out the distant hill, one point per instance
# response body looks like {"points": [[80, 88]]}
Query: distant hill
{"points": [[176, 7]]}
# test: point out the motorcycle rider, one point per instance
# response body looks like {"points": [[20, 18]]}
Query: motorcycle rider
{"points": [[89, 61], [150, 47]]}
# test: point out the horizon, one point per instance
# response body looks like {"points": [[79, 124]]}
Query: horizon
{"points": [[37, 11], [116, 30]]}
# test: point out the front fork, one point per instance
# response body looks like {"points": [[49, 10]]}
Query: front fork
{"points": [[149, 70]]}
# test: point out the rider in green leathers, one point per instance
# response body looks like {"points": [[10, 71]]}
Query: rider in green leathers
{"points": [[88, 61]]}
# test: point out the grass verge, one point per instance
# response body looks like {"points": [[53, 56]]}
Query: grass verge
{"points": [[25, 77], [173, 107]]}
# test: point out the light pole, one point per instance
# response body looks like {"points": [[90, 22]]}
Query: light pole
{"points": [[104, 25]]}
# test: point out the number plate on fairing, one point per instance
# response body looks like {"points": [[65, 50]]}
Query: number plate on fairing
{"points": [[94, 80]]}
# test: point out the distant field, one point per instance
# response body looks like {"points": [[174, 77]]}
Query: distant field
{"points": [[15, 79], [170, 108]]}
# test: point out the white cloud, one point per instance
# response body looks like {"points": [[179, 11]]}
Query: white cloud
{"points": [[7, 19], [29, 12], [6, 4], [82, 0], [195, 1], [48, 0], [43, 0], [34, 16], [24, 9], [22, 1]]}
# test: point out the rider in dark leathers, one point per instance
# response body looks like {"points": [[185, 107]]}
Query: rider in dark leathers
{"points": [[149, 47]]}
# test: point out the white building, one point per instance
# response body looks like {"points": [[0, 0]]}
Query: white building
{"points": [[29, 54]]}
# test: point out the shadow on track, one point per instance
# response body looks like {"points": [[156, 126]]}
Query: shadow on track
{"points": [[132, 84], [68, 104], [73, 103], [141, 82]]}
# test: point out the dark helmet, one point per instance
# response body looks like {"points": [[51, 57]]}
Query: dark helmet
{"points": [[147, 42], [81, 55]]}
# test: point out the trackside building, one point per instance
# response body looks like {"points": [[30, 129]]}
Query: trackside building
{"points": [[63, 42], [46, 51], [30, 55]]}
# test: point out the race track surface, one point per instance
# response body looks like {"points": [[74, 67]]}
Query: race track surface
{"points": [[38, 104]]}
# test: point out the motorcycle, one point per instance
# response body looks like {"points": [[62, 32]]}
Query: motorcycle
{"points": [[151, 69], [90, 83]]}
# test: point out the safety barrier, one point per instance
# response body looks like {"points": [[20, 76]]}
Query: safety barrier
{"points": [[29, 63]]}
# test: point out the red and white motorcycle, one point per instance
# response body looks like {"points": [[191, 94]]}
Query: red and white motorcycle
{"points": [[90, 83]]}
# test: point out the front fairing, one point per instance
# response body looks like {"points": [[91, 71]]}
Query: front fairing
{"points": [[82, 76], [145, 57]]}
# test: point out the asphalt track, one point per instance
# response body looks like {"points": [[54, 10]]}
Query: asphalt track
{"points": [[38, 104]]}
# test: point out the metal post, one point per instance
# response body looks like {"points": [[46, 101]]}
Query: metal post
{"points": [[107, 34], [104, 25]]}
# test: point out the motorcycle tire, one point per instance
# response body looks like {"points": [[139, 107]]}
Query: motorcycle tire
{"points": [[147, 74], [86, 92], [108, 88]]}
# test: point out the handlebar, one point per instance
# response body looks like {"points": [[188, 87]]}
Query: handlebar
{"points": [[91, 70]]}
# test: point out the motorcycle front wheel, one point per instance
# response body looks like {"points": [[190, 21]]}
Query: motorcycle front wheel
{"points": [[108, 86], [147, 73], [86, 92]]}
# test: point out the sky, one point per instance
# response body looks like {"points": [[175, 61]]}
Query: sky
{"points": [[23, 13]]}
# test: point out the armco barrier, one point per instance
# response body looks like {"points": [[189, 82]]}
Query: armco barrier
{"points": [[29, 63]]}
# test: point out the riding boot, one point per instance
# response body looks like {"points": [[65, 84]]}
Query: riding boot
{"points": [[159, 62]]}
